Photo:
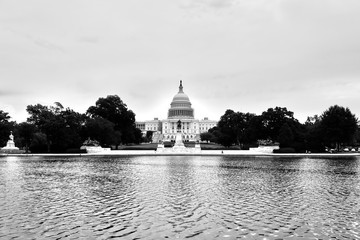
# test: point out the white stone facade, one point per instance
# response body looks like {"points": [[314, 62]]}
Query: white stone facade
{"points": [[151, 125], [190, 128], [180, 109]]}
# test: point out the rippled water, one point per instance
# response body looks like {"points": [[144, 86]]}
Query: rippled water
{"points": [[168, 197]]}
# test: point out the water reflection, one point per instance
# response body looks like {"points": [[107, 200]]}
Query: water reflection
{"points": [[179, 197]]}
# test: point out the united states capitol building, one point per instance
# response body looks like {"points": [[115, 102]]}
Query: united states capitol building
{"points": [[180, 110]]}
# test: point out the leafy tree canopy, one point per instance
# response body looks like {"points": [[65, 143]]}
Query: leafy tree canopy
{"points": [[5, 127], [113, 109], [286, 136], [206, 136], [273, 119], [233, 125], [4, 117], [61, 126], [338, 125], [26, 133], [101, 130]]}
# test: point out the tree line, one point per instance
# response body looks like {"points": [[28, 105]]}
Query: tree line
{"points": [[57, 129], [335, 128], [109, 122]]}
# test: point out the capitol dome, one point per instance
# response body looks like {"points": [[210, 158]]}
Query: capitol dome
{"points": [[180, 106]]}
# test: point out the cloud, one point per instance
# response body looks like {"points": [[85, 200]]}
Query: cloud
{"points": [[218, 3], [10, 92], [247, 55], [48, 45], [200, 4], [90, 39], [41, 42]]}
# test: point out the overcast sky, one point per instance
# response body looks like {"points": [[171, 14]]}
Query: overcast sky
{"points": [[245, 55]]}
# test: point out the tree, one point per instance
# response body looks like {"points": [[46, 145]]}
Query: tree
{"points": [[286, 136], [313, 140], [61, 127], [310, 121], [100, 129], [115, 110], [246, 128], [46, 120], [233, 126], [357, 136], [273, 119], [4, 116], [138, 135], [5, 127], [206, 136], [38, 143], [338, 126], [255, 130], [148, 136], [215, 132], [26, 132], [74, 123]]}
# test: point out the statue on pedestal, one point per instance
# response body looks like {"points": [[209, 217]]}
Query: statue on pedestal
{"points": [[178, 138], [179, 126], [10, 145]]}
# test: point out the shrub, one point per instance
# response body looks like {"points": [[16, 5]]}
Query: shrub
{"points": [[168, 144], [75, 150], [284, 150]]}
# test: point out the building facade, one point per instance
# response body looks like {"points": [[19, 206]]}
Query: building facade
{"points": [[180, 109]]}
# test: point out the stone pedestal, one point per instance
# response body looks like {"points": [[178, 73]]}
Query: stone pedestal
{"points": [[178, 141], [10, 145]]}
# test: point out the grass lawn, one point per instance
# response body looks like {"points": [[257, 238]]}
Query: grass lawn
{"points": [[214, 146], [145, 146]]}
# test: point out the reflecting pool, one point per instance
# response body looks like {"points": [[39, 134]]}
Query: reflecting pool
{"points": [[179, 197]]}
